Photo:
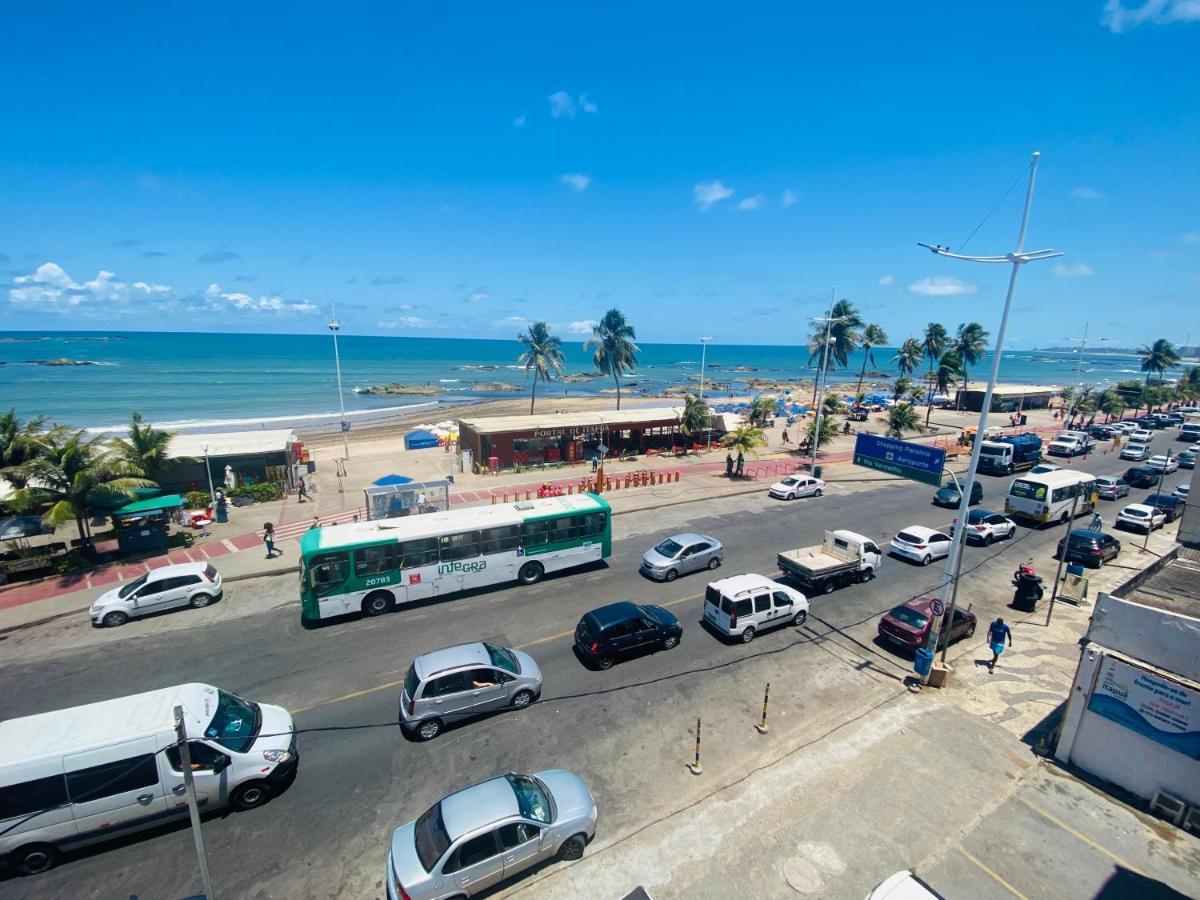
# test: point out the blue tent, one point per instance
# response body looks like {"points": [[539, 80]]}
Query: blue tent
{"points": [[419, 440], [391, 480]]}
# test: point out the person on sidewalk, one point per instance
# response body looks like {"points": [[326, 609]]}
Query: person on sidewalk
{"points": [[302, 494], [741, 463], [997, 633], [728, 465], [316, 523], [785, 438], [1097, 522], [269, 539], [595, 462]]}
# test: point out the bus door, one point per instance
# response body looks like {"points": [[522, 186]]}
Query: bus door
{"points": [[419, 577]]}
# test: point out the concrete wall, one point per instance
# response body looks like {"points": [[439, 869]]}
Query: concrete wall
{"points": [[1189, 525], [1164, 639]]}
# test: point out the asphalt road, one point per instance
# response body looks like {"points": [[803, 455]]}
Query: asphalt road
{"points": [[626, 731]]}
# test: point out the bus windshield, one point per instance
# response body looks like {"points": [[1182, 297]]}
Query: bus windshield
{"points": [[1028, 490]]}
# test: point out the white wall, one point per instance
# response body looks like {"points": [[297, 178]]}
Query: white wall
{"points": [[1189, 525], [1164, 639]]}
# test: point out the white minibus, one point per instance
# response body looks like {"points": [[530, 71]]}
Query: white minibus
{"points": [[89, 773], [1048, 496]]}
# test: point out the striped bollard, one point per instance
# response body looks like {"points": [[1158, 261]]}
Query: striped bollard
{"points": [[695, 767], [762, 727]]}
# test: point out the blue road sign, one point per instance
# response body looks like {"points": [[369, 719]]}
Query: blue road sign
{"points": [[904, 458]]}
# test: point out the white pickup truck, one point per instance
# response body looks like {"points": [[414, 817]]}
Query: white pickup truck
{"points": [[1071, 443], [843, 557]]}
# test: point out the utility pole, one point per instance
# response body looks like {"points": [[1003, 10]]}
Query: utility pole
{"points": [[1062, 558], [185, 760], [1017, 258], [816, 436], [1082, 342], [335, 326], [1157, 490], [703, 353]]}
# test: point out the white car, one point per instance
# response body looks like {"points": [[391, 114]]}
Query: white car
{"points": [[1141, 517], [985, 526], [1042, 468], [920, 544], [1137, 452], [903, 886], [1182, 492], [1141, 435], [1123, 427], [187, 584], [1167, 463], [797, 486]]}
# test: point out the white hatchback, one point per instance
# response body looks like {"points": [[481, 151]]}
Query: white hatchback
{"points": [[1182, 492], [1141, 435], [187, 584], [1141, 517], [797, 486], [1166, 462], [920, 544]]}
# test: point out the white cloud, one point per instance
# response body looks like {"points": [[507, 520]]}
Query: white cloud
{"points": [[576, 181], [511, 322], [583, 326], [50, 288], [749, 204], [561, 104], [152, 288], [1086, 193], [239, 300], [407, 322], [479, 295], [587, 105], [1074, 270], [789, 198], [941, 286], [1192, 237], [519, 122], [885, 280], [709, 193], [1118, 17]]}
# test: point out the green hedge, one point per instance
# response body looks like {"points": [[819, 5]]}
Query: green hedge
{"points": [[259, 493]]}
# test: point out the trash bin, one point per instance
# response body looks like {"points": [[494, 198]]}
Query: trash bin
{"points": [[923, 661], [222, 512], [1024, 419], [816, 472]]}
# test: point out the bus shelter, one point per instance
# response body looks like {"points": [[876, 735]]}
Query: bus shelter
{"points": [[141, 526], [394, 496]]}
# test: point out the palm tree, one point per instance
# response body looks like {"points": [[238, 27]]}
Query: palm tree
{"points": [[829, 430], [1111, 404], [948, 372], [19, 443], [873, 336], [761, 410], [970, 343], [900, 388], [73, 476], [1158, 357], [1131, 392], [695, 417], [908, 357], [843, 338], [933, 344], [1067, 396], [901, 418], [744, 439], [616, 353], [146, 449], [543, 356]]}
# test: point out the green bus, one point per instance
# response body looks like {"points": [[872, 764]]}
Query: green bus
{"points": [[377, 566]]}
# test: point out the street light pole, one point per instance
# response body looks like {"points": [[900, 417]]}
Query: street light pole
{"points": [[703, 354], [1082, 342], [1017, 258], [212, 497], [816, 436], [335, 326], [1153, 509]]}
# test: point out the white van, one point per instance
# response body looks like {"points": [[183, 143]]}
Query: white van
{"points": [[90, 773], [743, 605]]}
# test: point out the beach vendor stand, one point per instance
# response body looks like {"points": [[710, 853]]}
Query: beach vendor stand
{"points": [[141, 526]]}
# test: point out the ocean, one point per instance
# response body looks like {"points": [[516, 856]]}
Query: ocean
{"points": [[215, 380]]}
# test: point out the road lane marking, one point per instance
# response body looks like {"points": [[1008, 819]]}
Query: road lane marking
{"points": [[993, 874], [1083, 837]]}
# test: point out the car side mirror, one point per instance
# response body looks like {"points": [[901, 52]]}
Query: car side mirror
{"points": [[220, 764]]}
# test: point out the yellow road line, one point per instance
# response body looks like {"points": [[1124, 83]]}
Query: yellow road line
{"points": [[1081, 836], [993, 875]]}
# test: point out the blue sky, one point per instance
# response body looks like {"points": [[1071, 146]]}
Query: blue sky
{"points": [[460, 169]]}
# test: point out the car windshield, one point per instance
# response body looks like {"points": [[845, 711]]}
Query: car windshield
{"points": [[789, 481], [985, 450], [1138, 513], [235, 723], [532, 800], [910, 617], [668, 548], [430, 837], [977, 515], [908, 537], [131, 587], [950, 487], [503, 659]]}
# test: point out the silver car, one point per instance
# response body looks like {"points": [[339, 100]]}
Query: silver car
{"points": [[1111, 487], [491, 831], [447, 686], [680, 555]]}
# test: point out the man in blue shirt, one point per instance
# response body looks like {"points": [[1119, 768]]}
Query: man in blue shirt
{"points": [[997, 633]]}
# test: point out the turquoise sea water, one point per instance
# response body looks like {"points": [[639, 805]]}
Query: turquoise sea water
{"points": [[178, 378]]}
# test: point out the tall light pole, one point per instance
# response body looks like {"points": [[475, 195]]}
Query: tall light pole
{"points": [[335, 326], [1017, 258], [1082, 342], [212, 497], [703, 353]]}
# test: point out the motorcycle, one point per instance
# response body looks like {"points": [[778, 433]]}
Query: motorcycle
{"points": [[1028, 586]]}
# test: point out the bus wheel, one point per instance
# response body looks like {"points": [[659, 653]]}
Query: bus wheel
{"points": [[377, 604], [531, 573]]}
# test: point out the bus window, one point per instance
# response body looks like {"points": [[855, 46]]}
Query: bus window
{"points": [[593, 524], [497, 540], [421, 552], [328, 571], [376, 560], [536, 533], [563, 530], [459, 546], [1059, 495]]}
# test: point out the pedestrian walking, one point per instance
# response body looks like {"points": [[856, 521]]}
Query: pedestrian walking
{"points": [[1097, 522], [741, 463], [316, 523], [998, 632], [302, 494], [595, 462], [785, 437], [728, 465], [269, 539]]}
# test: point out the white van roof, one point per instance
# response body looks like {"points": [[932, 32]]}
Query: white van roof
{"points": [[738, 584], [108, 722]]}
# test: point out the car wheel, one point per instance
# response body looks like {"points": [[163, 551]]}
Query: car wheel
{"points": [[817, 492], [926, 559], [671, 575], [199, 601], [115, 619], [792, 495], [522, 699], [250, 795], [800, 618], [714, 562], [605, 662], [530, 573], [670, 642], [748, 635], [987, 539], [429, 729], [377, 604], [572, 848], [33, 859]]}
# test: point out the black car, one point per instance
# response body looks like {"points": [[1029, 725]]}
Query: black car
{"points": [[1169, 504], [948, 494], [1149, 422], [1092, 548], [1140, 476], [624, 629], [1174, 418], [1102, 432]]}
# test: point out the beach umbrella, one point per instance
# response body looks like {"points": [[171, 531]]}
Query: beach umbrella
{"points": [[391, 480]]}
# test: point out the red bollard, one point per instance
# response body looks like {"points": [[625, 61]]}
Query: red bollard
{"points": [[506, 496], [677, 475], [660, 477], [493, 499]]}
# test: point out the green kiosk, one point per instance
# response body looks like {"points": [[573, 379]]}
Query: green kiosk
{"points": [[141, 526]]}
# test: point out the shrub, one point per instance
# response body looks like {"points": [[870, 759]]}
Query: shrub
{"points": [[196, 499], [259, 493]]}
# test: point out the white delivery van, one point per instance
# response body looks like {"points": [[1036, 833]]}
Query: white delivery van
{"points": [[90, 773]]}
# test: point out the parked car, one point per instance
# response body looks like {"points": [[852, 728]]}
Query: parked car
{"points": [[622, 630], [1042, 468], [1139, 517], [446, 686], [920, 544], [1182, 492], [1135, 452], [170, 587], [1168, 504], [907, 625], [985, 526], [1141, 436], [1111, 487], [1187, 459], [743, 605], [1103, 432], [903, 885], [680, 555], [794, 486], [1175, 417], [948, 494], [1092, 548], [1123, 427], [1141, 476], [479, 836], [1164, 461]]}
